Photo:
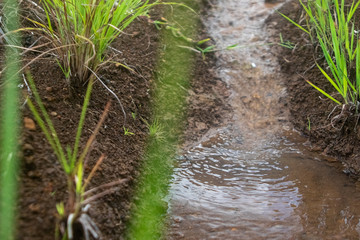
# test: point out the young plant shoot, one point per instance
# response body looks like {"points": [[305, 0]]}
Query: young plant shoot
{"points": [[73, 163]]}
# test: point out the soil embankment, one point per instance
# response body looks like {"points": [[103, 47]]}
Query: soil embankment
{"points": [[330, 132], [42, 181]]}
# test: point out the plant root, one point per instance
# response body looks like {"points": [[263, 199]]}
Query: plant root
{"points": [[87, 224], [345, 112]]}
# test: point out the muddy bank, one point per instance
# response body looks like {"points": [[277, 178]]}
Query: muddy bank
{"points": [[310, 112]]}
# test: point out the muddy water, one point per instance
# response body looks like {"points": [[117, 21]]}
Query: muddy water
{"points": [[253, 179]]}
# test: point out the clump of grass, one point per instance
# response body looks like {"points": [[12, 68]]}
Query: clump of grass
{"points": [[156, 129], [73, 163], [82, 30], [331, 25]]}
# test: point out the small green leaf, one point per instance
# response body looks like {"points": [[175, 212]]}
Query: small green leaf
{"points": [[203, 41]]}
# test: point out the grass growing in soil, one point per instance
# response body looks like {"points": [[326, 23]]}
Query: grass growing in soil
{"points": [[80, 56], [9, 128], [81, 31], [73, 164], [331, 25], [172, 81]]}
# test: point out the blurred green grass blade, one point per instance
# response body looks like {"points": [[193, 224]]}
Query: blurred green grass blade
{"points": [[46, 119], [352, 10], [357, 50], [9, 128], [172, 78]]}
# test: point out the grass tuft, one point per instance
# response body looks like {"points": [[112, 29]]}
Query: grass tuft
{"points": [[331, 25], [82, 30]]}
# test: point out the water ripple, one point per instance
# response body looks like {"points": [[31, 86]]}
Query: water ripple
{"points": [[246, 181]]}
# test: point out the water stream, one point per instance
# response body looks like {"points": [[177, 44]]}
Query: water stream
{"points": [[254, 179]]}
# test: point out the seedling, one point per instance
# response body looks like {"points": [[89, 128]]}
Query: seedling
{"points": [[176, 31], [73, 164], [286, 44], [127, 132], [206, 50]]}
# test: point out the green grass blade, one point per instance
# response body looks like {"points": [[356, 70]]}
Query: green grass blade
{"points": [[81, 124], [352, 10], [47, 119], [331, 81], [43, 127], [293, 22], [357, 69], [352, 53], [323, 92], [330, 21], [332, 67]]}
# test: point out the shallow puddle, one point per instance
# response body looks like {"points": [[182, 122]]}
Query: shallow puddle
{"points": [[253, 179], [222, 190]]}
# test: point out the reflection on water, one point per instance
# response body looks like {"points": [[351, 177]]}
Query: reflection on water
{"points": [[222, 191], [248, 181]]}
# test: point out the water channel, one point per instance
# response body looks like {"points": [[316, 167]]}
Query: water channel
{"points": [[254, 179]]}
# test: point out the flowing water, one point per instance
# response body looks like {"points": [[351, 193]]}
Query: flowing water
{"points": [[254, 179]]}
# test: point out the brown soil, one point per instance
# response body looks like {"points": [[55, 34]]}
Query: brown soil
{"points": [[313, 114], [42, 181], [207, 101], [207, 105]]}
